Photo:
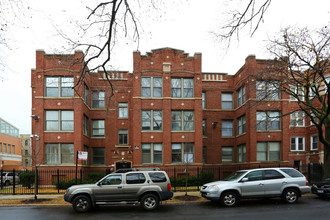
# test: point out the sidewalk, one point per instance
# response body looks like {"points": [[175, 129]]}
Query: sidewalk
{"points": [[58, 200]]}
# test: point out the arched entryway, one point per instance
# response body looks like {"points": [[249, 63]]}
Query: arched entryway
{"points": [[123, 165]]}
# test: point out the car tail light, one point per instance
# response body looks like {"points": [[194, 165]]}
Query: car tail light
{"points": [[169, 187], [306, 182]]}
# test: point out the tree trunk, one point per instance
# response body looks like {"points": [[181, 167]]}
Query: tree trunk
{"points": [[326, 161]]}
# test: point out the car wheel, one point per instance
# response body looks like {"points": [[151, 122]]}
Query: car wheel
{"points": [[229, 198], [81, 203], [7, 183], [149, 202], [290, 196]]}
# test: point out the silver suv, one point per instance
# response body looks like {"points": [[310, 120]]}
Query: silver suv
{"points": [[130, 185], [287, 183], [7, 178]]}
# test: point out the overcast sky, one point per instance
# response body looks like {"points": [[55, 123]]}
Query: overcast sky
{"points": [[184, 25]]}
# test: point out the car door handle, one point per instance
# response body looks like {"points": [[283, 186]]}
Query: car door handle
{"points": [[120, 187], [261, 184], [284, 183]]}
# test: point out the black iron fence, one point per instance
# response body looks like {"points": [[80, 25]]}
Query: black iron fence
{"points": [[56, 181]]}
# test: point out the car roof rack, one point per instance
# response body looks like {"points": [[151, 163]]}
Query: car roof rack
{"points": [[126, 170]]}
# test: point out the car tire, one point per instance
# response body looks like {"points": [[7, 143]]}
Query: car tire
{"points": [[290, 196], [7, 183], [81, 203], [149, 202], [229, 199]]}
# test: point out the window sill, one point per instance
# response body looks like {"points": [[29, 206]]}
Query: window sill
{"points": [[227, 137], [122, 146]]}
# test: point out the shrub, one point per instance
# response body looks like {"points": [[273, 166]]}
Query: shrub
{"points": [[27, 179], [94, 177], [204, 177]]}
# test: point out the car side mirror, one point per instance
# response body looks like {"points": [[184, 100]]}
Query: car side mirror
{"points": [[245, 179]]}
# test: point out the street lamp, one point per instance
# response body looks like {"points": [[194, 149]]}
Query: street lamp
{"points": [[36, 151]]}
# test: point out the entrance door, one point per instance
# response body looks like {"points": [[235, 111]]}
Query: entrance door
{"points": [[123, 165]]}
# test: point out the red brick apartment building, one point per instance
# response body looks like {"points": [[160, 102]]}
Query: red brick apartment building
{"points": [[166, 112]]}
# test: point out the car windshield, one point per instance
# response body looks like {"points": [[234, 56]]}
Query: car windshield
{"points": [[235, 176]]}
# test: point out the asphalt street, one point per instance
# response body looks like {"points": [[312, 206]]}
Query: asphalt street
{"points": [[307, 208]]}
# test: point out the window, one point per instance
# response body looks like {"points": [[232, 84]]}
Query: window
{"points": [[135, 178], [26, 142], [26, 152], [59, 86], [297, 119], [292, 172], [204, 128], [123, 110], [59, 153], [227, 154], [241, 151], [123, 137], [112, 180], [268, 151], [297, 93], [157, 177], [272, 174], [151, 87], [227, 128], [267, 90], [241, 96], [4, 148], [227, 100], [297, 143], [152, 153], [152, 120], [86, 94], [182, 87], [268, 121], [314, 118], [314, 142], [85, 125], [241, 125], [183, 153], [98, 99], [182, 120], [59, 120], [204, 100], [98, 156], [254, 175], [98, 128], [13, 149]]}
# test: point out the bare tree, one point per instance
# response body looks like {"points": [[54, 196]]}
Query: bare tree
{"points": [[252, 14], [302, 70], [108, 23]]}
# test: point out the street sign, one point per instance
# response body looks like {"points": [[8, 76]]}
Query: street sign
{"points": [[82, 155]]}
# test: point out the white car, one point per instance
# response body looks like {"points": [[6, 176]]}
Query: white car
{"points": [[7, 178], [287, 183]]}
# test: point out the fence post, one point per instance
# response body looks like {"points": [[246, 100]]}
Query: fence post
{"points": [[1, 183], [37, 184], [58, 181], [309, 172], [14, 180], [219, 172], [81, 178], [174, 180], [198, 180]]}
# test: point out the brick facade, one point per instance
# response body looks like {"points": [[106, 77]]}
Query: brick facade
{"points": [[162, 66]]}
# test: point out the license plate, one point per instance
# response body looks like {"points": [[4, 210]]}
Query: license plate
{"points": [[320, 191]]}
